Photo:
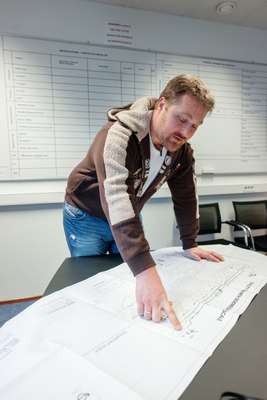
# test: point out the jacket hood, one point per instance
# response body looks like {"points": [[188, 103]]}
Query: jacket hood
{"points": [[135, 116]]}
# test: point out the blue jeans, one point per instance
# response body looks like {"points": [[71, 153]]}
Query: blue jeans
{"points": [[87, 235]]}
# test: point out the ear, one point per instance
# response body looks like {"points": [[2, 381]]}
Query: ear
{"points": [[162, 103]]}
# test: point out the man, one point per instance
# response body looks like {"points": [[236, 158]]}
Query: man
{"points": [[141, 146]]}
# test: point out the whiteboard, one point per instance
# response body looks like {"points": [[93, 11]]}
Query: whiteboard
{"points": [[54, 97]]}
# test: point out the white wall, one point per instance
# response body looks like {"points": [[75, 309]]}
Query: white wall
{"points": [[31, 236], [32, 248]]}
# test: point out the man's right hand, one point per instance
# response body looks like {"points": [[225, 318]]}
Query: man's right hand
{"points": [[151, 298]]}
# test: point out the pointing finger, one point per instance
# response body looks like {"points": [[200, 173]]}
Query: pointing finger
{"points": [[171, 315]]}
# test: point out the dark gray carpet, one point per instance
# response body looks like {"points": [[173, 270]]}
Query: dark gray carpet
{"points": [[8, 311]]}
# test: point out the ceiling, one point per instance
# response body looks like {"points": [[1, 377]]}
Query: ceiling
{"points": [[250, 13]]}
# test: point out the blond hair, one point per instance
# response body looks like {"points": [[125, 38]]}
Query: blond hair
{"points": [[190, 84]]}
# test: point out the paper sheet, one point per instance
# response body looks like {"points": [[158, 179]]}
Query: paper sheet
{"points": [[64, 375], [97, 321]]}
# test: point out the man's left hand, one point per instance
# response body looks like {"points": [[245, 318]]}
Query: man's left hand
{"points": [[196, 253]]}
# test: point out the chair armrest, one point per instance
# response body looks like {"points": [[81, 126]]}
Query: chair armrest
{"points": [[247, 232]]}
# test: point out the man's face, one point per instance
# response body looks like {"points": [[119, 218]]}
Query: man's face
{"points": [[173, 124]]}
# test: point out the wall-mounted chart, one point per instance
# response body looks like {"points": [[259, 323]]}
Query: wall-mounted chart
{"points": [[54, 97]]}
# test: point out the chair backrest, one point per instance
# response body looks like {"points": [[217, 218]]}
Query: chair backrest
{"points": [[209, 218], [251, 213]]}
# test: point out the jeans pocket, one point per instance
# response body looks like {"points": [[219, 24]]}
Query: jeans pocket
{"points": [[74, 212]]}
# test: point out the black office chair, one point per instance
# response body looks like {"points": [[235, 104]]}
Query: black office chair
{"points": [[253, 215], [211, 222]]}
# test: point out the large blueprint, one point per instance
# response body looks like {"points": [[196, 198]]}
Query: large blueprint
{"points": [[86, 341]]}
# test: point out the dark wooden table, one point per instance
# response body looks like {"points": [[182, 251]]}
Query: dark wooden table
{"points": [[238, 364]]}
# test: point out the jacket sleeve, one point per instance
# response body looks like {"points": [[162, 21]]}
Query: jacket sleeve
{"points": [[182, 185], [116, 199]]}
